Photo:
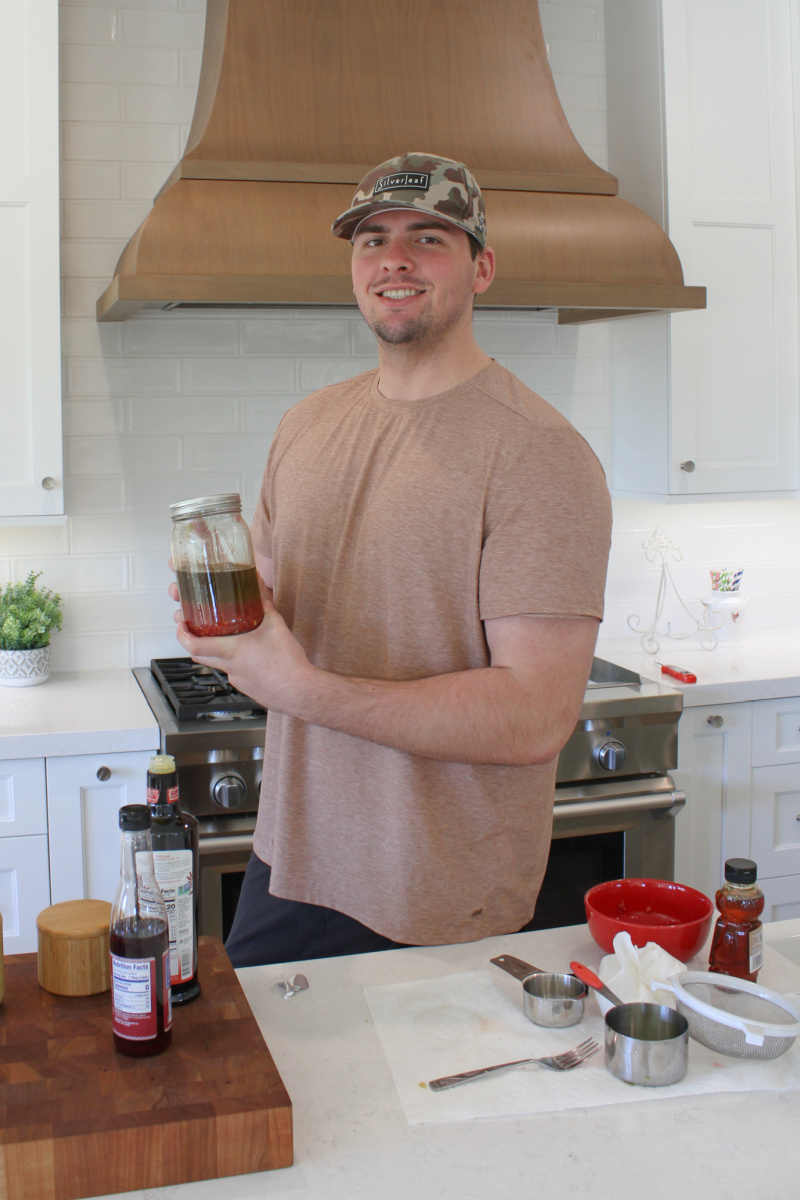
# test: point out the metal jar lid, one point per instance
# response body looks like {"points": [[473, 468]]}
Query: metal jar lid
{"points": [[206, 506]]}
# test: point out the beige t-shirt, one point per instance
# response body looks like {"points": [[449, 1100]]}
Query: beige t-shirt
{"points": [[395, 529]]}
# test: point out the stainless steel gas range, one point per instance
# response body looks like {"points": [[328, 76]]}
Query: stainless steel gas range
{"points": [[615, 803]]}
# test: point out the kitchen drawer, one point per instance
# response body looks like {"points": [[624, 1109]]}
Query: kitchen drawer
{"points": [[23, 797], [775, 820], [776, 732], [782, 898]]}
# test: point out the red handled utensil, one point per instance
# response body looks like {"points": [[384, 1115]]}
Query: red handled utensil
{"points": [[679, 673], [591, 980]]}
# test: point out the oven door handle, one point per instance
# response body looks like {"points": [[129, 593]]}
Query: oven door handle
{"points": [[673, 802], [212, 845]]}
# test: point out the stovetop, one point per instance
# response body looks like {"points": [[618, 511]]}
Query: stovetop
{"points": [[201, 693]]}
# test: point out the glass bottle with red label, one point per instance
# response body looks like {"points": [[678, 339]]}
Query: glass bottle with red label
{"points": [[176, 856], [140, 992]]}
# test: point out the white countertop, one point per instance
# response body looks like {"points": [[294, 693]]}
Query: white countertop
{"points": [[352, 1140], [76, 712], [764, 664]]}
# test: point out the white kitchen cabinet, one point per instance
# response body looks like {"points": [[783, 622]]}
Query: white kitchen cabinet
{"points": [[24, 865], [84, 796], [739, 765], [701, 136], [31, 476], [714, 756]]}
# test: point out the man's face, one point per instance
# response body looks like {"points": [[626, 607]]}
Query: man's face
{"points": [[414, 277]]}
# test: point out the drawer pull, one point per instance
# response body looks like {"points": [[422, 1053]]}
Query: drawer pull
{"points": [[103, 774], [716, 722]]}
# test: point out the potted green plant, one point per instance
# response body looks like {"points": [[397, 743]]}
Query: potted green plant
{"points": [[27, 617]]}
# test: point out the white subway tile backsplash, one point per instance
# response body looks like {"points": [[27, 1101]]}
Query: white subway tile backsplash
{"points": [[84, 495], [204, 414], [90, 180], [177, 334], [562, 375], [233, 452], [581, 91], [101, 534], [154, 644], [526, 336], [190, 67], [584, 22], [220, 375], [121, 141], [93, 26], [93, 417], [82, 257], [161, 105], [318, 373], [147, 493], [79, 572], [570, 56], [589, 127], [129, 611], [86, 101], [86, 337], [80, 295], [125, 376], [90, 652], [119, 64], [295, 337], [263, 414], [148, 28], [150, 572], [109, 455], [109, 219]]}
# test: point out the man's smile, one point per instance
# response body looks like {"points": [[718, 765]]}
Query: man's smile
{"points": [[397, 293]]}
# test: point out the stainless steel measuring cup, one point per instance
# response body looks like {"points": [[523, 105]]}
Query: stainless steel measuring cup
{"points": [[550, 999], [646, 1044]]}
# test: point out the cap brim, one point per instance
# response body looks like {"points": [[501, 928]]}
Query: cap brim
{"points": [[346, 225]]}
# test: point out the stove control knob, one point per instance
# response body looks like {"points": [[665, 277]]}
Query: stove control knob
{"points": [[611, 755], [229, 791]]}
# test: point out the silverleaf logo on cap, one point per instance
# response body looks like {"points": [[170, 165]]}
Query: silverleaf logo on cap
{"points": [[426, 182]]}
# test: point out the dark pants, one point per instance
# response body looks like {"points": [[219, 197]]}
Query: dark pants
{"points": [[267, 929]]}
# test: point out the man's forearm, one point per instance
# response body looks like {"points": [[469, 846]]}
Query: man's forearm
{"points": [[478, 716]]}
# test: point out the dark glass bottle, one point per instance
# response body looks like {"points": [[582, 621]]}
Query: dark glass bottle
{"points": [[176, 854], [737, 946], [141, 1003]]}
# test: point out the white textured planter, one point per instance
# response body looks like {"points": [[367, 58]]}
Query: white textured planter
{"points": [[24, 668]]}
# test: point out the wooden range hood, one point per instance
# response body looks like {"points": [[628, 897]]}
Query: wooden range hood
{"points": [[298, 99]]}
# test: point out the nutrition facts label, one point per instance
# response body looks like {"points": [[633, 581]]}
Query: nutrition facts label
{"points": [[133, 982]]}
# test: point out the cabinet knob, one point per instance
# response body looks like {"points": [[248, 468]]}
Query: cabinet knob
{"points": [[103, 774], [687, 466], [48, 483], [715, 722]]}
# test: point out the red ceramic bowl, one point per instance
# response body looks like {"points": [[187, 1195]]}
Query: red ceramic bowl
{"points": [[674, 916]]}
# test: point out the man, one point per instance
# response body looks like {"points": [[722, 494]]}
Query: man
{"points": [[433, 540]]}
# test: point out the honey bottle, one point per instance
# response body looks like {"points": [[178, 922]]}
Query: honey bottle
{"points": [[737, 945]]}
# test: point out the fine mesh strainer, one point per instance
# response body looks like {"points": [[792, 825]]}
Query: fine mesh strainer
{"points": [[733, 1016]]}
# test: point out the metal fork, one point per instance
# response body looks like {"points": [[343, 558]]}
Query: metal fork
{"points": [[556, 1062]]}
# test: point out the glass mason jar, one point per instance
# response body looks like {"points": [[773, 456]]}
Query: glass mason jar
{"points": [[215, 567]]}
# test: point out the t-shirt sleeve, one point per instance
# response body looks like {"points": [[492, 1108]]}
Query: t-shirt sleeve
{"points": [[547, 529], [261, 528]]}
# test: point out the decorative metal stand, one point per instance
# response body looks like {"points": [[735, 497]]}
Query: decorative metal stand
{"points": [[659, 546]]}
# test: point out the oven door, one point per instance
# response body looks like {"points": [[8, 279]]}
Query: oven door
{"points": [[225, 849], [606, 830]]}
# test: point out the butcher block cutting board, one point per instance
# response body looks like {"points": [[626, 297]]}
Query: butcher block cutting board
{"points": [[77, 1119]]}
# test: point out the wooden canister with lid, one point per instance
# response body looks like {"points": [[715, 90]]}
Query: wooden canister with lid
{"points": [[74, 955]]}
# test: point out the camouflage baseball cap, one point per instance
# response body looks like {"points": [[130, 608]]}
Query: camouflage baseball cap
{"points": [[418, 181]]}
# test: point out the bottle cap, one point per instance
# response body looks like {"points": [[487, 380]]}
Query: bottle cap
{"points": [[161, 764], [134, 817], [740, 870]]}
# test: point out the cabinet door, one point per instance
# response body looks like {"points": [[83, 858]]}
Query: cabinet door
{"points": [[775, 820], [776, 732], [24, 890], [31, 483], [733, 220], [84, 796], [714, 772], [23, 797], [782, 898]]}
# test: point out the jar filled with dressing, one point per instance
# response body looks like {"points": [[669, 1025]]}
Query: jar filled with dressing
{"points": [[215, 567]]}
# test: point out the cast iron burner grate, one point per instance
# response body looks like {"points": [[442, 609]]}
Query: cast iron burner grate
{"points": [[200, 692]]}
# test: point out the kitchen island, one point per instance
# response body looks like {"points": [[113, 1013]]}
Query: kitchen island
{"points": [[352, 1139]]}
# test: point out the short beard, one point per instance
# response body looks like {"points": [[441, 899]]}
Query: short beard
{"points": [[414, 331]]}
